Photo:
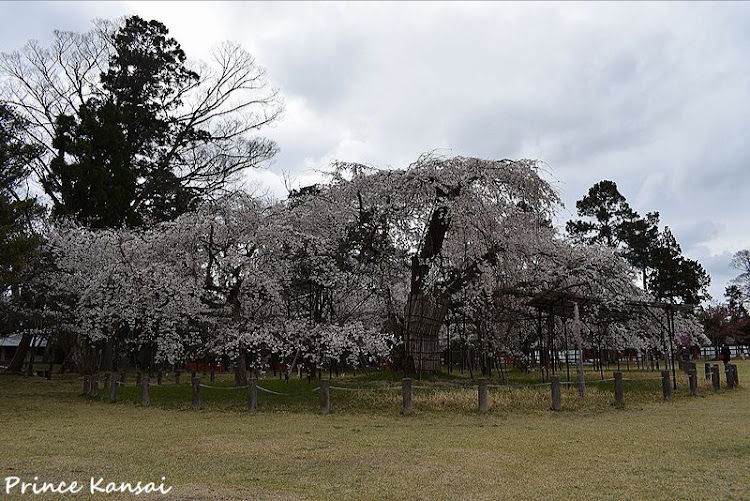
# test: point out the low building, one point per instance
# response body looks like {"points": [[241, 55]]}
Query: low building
{"points": [[9, 344]]}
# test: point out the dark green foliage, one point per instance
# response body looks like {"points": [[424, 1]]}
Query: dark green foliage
{"points": [[98, 188], [607, 210], [656, 255], [641, 241], [735, 300], [675, 277], [114, 164], [18, 241]]}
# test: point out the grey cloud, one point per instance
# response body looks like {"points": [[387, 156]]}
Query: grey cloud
{"points": [[655, 96], [37, 20]]}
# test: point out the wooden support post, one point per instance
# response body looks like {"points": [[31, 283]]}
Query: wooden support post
{"points": [[107, 379], [708, 371], [252, 395], [729, 376], [618, 389], [196, 381], [406, 396], [177, 377], [325, 396], [581, 382], [145, 391], [715, 378], [483, 395], [666, 385], [211, 373], [114, 390], [693, 378], [158, 378], [94, 386], [86, 385], [556, 395], [735, 377]]}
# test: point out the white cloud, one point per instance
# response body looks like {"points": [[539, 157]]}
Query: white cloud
{"points": [[655, 96]]}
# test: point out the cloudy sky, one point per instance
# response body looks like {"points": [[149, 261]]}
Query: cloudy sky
{"points": [[654, 96]]}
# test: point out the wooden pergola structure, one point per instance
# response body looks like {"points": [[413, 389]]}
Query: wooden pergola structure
{"points": [[562, 303]]}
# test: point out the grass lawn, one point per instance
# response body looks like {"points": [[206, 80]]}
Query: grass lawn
{"points": [[689, 448]]}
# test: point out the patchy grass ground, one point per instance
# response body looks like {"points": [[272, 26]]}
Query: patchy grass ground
{"points": [[689, 448]]}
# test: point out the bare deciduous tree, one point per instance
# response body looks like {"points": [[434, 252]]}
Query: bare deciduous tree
{"points": [[228, 103]]}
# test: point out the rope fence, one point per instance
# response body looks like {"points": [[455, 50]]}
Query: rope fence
{"points": [[113, 385]]}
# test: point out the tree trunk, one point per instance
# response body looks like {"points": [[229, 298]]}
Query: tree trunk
{"points": [[424, 317], [240, 370], [108, 355], [32, 349], [16, 364]]}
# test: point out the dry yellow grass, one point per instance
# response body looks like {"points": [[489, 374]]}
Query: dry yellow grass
{"points": [[690, 448]]}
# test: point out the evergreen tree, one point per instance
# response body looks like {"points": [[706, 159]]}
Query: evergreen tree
{"points": [[98, 186], [641, 239], [675, 277], [133, 153], [656, 255], [18, 213], [607, 210], [18, 241]]}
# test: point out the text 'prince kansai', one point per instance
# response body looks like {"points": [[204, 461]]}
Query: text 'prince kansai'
{"points": [[14, 485]]}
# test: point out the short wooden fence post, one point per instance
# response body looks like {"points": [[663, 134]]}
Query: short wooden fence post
{"points": [[730, 376], [211, 373], [735, 378], [86, 385], [177, 377], [107, 379], [556, 395], [252, 395], [94, 385], [325, 396], [158, 378], [145, 391], [114, 390], [666, 385], [693, 379], [715, 378], [196, 381], [708, 371], [483, 395], [406, 396], [618, 389]]}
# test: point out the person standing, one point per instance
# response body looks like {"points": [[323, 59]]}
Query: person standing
{"points": [[725, 354]]}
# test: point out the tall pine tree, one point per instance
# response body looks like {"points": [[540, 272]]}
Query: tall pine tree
{"points": [[657, 256], [114, 165]]}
